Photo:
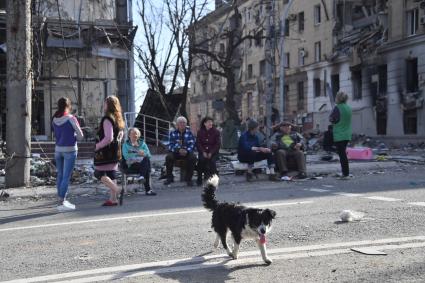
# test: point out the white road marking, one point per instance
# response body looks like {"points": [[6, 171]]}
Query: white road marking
{"points": [[258, 204], [417, 203], [137, 270], [347, 194], [383, 198], [317, 190]]}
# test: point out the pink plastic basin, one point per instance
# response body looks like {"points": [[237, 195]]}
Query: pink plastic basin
{"points": [[359, 153]]}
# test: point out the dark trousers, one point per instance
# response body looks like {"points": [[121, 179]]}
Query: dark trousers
{"points": [[207, 166], [190, 164], [144, 169], [341, 149], [251, 157], [283, 156]]}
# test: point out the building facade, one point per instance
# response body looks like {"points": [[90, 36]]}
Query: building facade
{"points": [[366, 48], [82, 50]]}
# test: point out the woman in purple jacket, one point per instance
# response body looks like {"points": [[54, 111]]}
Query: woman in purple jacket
{"points": [[208, 144], [67, 131]]}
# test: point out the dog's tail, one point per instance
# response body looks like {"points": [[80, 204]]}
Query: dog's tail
{"points": [[208, 197]]}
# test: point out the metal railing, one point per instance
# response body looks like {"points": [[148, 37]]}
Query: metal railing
{"points": [[154, 130]]}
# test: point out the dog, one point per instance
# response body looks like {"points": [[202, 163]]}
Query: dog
{"points": [[243, 222]]}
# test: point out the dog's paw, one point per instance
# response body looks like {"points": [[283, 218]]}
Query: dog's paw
{"points": [[232, 255], [268, 261]]}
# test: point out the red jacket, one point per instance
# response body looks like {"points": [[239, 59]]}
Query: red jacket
{"points": [[208, 140]]}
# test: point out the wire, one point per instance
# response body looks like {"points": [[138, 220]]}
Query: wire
{"points": [[66, 57]]}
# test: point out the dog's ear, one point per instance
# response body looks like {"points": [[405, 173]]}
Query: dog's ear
{"points": [[270, 213]]}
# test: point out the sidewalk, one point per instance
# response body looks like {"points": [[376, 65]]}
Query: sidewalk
{"points": [[90, 189]]}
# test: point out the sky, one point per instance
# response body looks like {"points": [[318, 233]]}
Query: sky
{"points": [[140, 84]]}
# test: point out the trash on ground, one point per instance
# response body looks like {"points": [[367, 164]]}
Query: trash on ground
{"points": [[368, 251], [350, 216]]}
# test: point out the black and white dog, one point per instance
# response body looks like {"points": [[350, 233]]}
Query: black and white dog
{"points": [[243, 222]]}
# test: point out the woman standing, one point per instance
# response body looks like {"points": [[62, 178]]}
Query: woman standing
{"points": [[342, 130], [208, 144], [108, 147], [137, 157], [67, 131]]}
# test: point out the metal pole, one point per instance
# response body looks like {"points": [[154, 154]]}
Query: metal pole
{"points": [[156, 132], [270, 61], [144, 127], [282, 60]]}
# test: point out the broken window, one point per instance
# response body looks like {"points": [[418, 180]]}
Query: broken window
{"points": [[301, 21], [249, 104], [300, 103], [317, 16], [317, 88], [410, 121], [356, 77], [221, 48], [259, 39], [317, 52], [287, 61], [412, 22], [262, 67], [382, 73], [286, 27], [412, 75], [335, 85], [250, 71]]}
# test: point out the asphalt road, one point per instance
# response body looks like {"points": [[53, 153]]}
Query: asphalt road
{"points": [[168, 238]]}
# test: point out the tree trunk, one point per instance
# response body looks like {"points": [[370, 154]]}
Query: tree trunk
{"points": [[19, 88], [230, 104]]}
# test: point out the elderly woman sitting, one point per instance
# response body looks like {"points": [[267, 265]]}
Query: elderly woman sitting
{"points": [[137, 157]]}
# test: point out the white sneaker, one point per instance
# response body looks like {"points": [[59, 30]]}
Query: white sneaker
{"points": [[286, 178], [63, 208], [68, 205]]}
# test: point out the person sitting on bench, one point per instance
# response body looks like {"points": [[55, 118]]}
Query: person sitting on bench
{"points": [[208, 144], [289, 144], [181, 146], [137, 156], [250, 150]]}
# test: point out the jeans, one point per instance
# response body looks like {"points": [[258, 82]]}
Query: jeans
{"points": [[65, 165], [341, 147]]}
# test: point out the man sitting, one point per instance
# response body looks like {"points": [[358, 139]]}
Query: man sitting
{"points": [[181, 146], [289, 144], [250, 151]]}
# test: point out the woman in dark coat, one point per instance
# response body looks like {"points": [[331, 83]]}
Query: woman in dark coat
{"points": [[208, 145]]}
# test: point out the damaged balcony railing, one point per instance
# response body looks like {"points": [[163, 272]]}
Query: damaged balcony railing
{"points": [[154, 130]]}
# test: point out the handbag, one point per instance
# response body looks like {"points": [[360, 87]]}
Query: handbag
{"points": [[109, 154]]}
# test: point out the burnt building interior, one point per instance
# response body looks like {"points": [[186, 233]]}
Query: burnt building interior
{"points": [[82, 50], [361, 31]]}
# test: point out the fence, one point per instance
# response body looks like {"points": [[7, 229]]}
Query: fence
{"points": [[154, 130]]}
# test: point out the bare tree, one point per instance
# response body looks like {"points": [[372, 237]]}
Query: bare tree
{"points": [[165, 48], [223, 63]]}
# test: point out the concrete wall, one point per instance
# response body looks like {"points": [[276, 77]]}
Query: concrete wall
{"points": [[92, 91]]}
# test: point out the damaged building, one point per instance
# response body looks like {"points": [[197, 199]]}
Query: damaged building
{"points": [[82, 50], [372, 50]]}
